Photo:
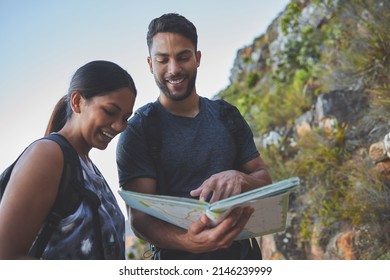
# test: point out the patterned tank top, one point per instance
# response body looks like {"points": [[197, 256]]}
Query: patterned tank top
{"points": [[75, 238]]}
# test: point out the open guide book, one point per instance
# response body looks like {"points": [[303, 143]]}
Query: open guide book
{"points": [[270, 203]]}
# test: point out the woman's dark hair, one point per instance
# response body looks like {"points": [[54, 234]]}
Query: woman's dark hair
{"points": [[173, 23], [95, 78]]}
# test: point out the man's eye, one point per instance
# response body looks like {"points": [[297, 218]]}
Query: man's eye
{"points": [[162, 61]]}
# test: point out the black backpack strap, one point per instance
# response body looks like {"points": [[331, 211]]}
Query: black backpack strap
{"points": [[233, 121], [152, 129], [67, 200], [256, 250], [44, 235], [70, 194]]}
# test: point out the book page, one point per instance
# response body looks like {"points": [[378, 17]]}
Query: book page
{"points": [[177, 211], [269, 216], [270, 204]]}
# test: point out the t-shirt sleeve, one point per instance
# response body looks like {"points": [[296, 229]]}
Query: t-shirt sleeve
{"points": [[132, 153]]}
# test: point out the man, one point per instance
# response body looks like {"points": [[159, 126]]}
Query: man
{"points": [[197, 157]]}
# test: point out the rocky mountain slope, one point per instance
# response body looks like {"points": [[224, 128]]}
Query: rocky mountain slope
{"points": [[315, 90]]}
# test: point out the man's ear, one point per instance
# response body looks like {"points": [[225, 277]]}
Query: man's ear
{"points": [[198, 57], [75, 101], [149, 59]]}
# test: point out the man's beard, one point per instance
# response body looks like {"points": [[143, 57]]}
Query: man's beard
{"points": [[164, 89]]}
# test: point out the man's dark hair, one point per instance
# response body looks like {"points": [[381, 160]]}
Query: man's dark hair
{"points": [[173, 23]]}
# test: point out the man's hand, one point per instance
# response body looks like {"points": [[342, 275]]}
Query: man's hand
{"points": [[221, 185], [201, 239], [251, 175]]}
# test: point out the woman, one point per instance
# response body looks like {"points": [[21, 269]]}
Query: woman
{"points": [[100, 99]]}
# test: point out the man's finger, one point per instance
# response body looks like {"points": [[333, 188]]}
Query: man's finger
{"points": [[215, 196], [241, 221], [205, 194], [196, 192], [199, 225]]}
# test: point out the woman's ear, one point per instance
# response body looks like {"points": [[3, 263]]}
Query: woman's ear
{"points": [[75, 102]]}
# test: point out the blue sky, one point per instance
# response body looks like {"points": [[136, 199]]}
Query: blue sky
{"points": [[43, 42]]}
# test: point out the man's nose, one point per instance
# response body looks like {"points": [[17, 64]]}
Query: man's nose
{"points": [[174, 67]]}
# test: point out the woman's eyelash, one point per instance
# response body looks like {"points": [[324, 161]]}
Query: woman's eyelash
{"points": [[108, 112]]}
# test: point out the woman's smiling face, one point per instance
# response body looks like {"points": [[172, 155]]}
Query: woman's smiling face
{"points": [[105, 116]]}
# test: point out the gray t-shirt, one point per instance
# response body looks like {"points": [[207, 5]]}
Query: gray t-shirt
{"points": [[192, 150]]}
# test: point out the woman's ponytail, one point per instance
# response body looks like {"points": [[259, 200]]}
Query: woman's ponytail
{"points": [[58, 117]]}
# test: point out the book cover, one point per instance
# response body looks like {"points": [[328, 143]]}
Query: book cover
{"points": [[270, 203]]}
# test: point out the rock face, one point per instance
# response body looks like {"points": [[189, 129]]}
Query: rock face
{"points": [[345, 106], [379, 153], [341, 136]]}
